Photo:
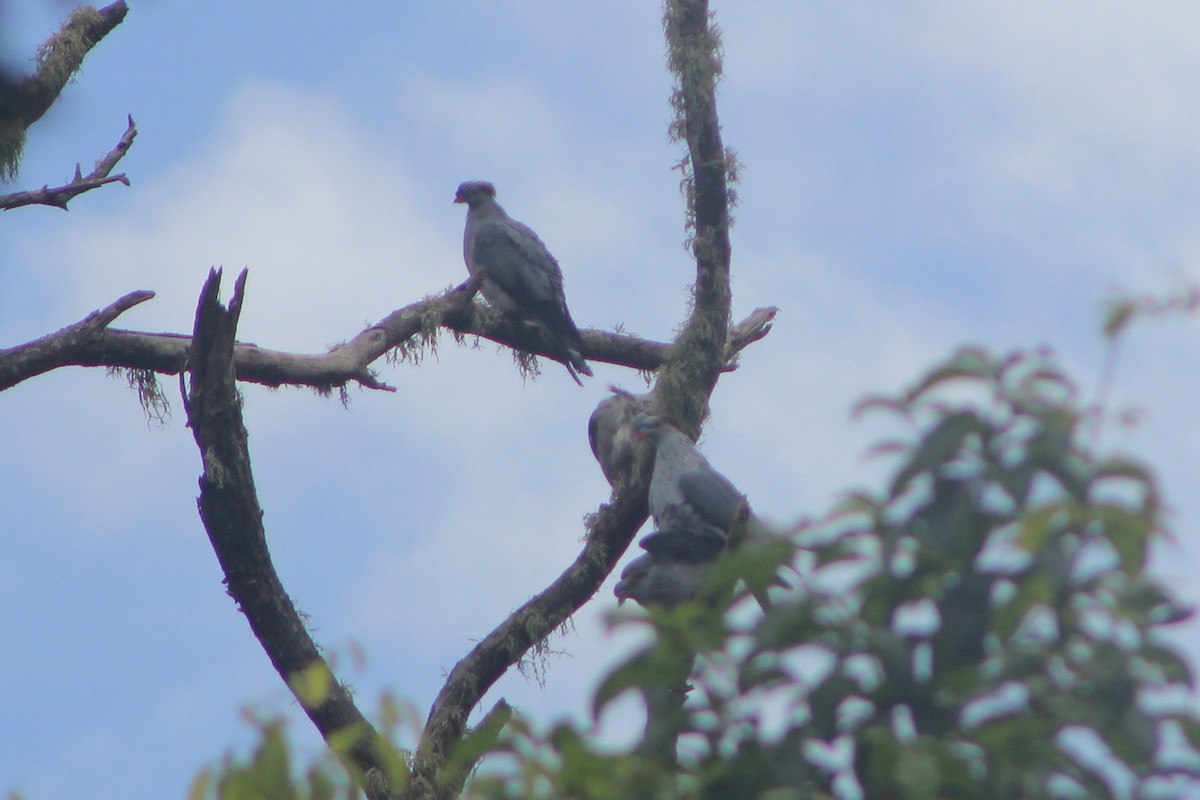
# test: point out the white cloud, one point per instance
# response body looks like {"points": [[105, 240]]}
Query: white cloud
{"points": [[320, 213]]}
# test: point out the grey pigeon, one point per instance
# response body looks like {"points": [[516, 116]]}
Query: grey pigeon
{"points": [[610, 431], [672, 569], [698, 512], [519, 274], [686, 493], [651, 581]]}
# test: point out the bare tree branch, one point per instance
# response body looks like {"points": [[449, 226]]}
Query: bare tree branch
{"points": [[747, 332], [23, 102], [59, 196], [62, 347], [166, 352], [485, 735], [233, 518], [611, 532]]}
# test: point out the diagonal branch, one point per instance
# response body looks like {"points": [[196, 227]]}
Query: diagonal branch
{"points": [[24, 101], [233, 518], [59, 196], [435, 775]]}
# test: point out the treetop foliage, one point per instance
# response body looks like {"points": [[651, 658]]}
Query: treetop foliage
{"points": [[958, 633], [982, 626]]}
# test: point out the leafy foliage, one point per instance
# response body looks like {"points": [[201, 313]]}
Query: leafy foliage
{"points": [[983, 627], [268, 774]]}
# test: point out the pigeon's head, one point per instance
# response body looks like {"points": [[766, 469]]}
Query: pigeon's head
{"points": [[473, 193], [659, 582], [632, 578]]}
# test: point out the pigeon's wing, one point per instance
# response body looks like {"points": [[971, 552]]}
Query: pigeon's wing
{"points": [[690, 546], [519, 264], [713, 497], [526, 277]]}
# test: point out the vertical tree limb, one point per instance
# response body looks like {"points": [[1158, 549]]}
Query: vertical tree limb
{"points": [[233, 518], [686, 379], [696, 357]]}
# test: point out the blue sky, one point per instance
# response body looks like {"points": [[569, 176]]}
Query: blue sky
{"points": [[918, 175]]}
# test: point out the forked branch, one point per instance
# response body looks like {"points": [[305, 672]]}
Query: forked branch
{"points": [[59, 196]]}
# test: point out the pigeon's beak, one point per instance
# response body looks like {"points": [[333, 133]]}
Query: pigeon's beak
{"points": [[458, 199]]}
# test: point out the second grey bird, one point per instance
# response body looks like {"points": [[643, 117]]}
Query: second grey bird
{"points": [[519, 274], [686, 493], [702, 512], [672, 569], [667, 582]]}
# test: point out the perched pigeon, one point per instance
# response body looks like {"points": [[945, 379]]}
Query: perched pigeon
{"points": [[698, 512], [610, 431], [659, 581], [686, 493], [672, 569], [519, 274]]}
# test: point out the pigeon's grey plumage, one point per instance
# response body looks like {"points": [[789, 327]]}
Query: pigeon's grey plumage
{"points": [[519, 274], [650, 581], [698, 512], [686, 493], [610, 431]]}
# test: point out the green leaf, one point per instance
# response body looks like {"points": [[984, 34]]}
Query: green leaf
{"points": [[878, 403], [1129, 534], [971, 363], [657, 666], [1175, 668], [1039, 524], [937, 447], [201, 784], [1190, 726], [918, 773], [483, 738], [312, 685], [1123, 468]]}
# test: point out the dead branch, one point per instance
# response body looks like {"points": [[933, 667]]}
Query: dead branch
{"points": [[90, 343], [24, 101], [745, 333], [610, 534], [233, 518], [64, 346], [59, 196]]}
